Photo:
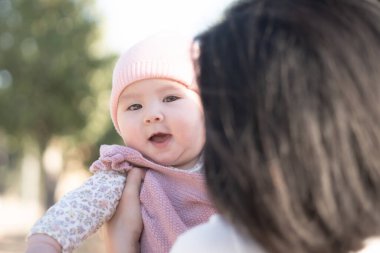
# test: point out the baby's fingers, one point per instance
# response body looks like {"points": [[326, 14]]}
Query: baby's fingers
{"points": [[125, 227], [132, 187]]}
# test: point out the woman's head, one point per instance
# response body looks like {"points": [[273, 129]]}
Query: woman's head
{"points": [[290, 91]]}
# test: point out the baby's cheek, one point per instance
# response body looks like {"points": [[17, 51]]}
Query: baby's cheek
{"points": [[131, 137], [196, 136]]}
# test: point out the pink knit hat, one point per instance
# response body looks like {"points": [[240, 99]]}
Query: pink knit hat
{"points": [[163, 56]]}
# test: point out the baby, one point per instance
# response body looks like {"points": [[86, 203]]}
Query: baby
{"points": [[156, 109]]}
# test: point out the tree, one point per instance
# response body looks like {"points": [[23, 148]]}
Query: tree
{"points": [[47, 59]]}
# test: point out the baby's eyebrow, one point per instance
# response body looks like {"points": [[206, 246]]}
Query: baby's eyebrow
{"points": [[137, 95], [129, 96], [169, 88]]}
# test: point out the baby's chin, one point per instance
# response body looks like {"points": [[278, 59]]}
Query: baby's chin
{"points": [[164, 162], [160, 160], [170, 162]]}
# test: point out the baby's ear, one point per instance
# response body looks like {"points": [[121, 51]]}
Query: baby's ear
{"points": [[194, 52]]}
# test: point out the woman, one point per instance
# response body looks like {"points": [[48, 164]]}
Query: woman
{"points": [[290, 91]]}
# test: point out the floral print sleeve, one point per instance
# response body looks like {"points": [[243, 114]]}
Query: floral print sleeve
{"points": [[81, 212]]}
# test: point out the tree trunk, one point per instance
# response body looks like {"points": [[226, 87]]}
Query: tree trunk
{"points": [[52, 167], [31, 172], [40, 172]]}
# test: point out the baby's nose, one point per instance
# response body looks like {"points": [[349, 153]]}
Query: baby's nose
{"points": [[153, 118]]}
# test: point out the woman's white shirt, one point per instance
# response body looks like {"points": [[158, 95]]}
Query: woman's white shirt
{"points": [[219, 236], [215, 236]]}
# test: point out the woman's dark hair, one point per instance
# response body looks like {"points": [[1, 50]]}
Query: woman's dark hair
{"points": [[291, 91]]}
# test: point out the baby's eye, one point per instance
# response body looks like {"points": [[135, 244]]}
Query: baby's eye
{"points": [[134, 107], [170, 98]]}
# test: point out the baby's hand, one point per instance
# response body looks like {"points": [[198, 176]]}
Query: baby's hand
{"points": [[124, 229]]}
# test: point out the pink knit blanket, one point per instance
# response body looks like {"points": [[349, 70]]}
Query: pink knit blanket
{"points": [[172, 200]]}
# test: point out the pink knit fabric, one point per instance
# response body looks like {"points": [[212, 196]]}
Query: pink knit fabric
{"points": [[172, 200]]}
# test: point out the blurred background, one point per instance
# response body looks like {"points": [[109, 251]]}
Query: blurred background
{"points": [[56, 60]]}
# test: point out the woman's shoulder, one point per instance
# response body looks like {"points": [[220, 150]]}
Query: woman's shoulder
{"points": [[371, 245], [217, 235]]}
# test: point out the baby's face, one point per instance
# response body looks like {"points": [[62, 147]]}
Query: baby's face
{"points": [[163, 120]]}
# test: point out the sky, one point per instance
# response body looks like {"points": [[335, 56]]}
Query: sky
{"points": [[125, 22]]}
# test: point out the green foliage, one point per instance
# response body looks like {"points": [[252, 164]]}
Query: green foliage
{"points": [[46, 64]]}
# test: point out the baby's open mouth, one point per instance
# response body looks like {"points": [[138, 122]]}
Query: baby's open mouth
{"points": [[159, 137]]}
